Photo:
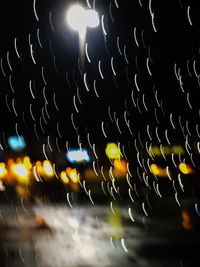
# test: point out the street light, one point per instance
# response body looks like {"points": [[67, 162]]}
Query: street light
{"points": [[79, 18]]}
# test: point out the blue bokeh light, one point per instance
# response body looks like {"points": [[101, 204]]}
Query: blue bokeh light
{"points": [[16, 143]]}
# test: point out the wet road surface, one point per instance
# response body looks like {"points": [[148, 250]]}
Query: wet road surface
{"points": [[95, 235]]}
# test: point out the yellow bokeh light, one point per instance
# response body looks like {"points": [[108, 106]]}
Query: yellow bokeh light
{"points": [[64, 177], [185, 168], [120, 165], [21, 172], [72, 174], [48, 169], [155, 169], [27, 162], [112, 151], [3, 170], [158, 171], [39, 168]]}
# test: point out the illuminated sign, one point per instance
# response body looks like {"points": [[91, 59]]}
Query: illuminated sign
{"points": [[77, 155], [16, 143], [165, 150]]}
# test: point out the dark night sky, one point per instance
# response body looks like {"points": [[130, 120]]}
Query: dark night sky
{"points": [[173, 41]]}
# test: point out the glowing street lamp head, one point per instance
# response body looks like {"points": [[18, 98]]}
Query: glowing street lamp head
{"points": [[91, 18], [79, 19], [75, 17]]}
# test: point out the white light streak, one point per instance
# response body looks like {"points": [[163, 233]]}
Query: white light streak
{"points": [[171, 120], [15, 45], [197, 210], [13, 105], [148, 68], [42, 72], [102, 25], [69, 200], [103, 130], [32, 56], [89, 194], [2, 69], [118, 46], [54, 100], [123, 245], [43, 115], [36, 134], [188, 100], [94, 168], [75, 106], [35, 174], [117, 123], [95, 89], [102, 186], [50, 21], [143, 207], [188, 15], [38, 37], [44, 152], [136, 41], [129, 192], [148, 132], [100, 70], [94, 151], [31, 91], [34, 9], [10, 83], [130, 215], [85, 81], [86, 52], [116, 4], [8, 60], [144, 103], [125, 56], [49, 145], [136, 84], [45, 107], [111, 206], [113, 70], [176, 198], [31, 112]]}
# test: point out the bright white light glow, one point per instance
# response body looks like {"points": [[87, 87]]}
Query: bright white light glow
{"points": [[79, 19], [91, 18], [75, 17], [77, 155]]}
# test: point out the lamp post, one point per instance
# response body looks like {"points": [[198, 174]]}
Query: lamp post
{"points": [[80, 19]]}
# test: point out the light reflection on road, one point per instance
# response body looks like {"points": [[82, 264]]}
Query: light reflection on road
{"points": [[48, 235], [80, 238]]}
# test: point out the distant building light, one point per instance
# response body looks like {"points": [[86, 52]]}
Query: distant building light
{"points": [[158, 171], [77, 155], [47, 168], [72, 174], [120, 166], [155, 169], [21, 172], [112, 151], [165, 150], [64, 177], [185, 168], [16, 143], [3, 170]]}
